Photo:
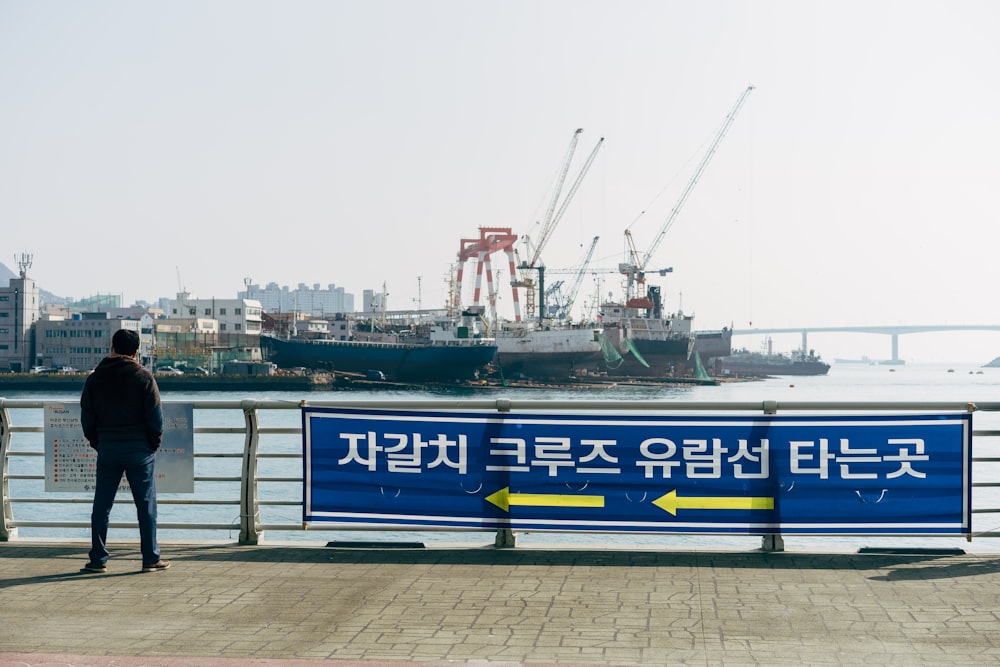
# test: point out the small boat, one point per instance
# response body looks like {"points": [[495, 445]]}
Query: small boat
{"points": [[758, 364]]}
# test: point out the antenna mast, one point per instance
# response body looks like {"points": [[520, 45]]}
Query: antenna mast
{"points": [[23, 264]]}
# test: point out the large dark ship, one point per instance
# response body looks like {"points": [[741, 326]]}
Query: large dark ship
{"points": [[439, 352]]}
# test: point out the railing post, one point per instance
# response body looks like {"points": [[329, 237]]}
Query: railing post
{"points": [[505, 538], [249, 509], [773, 541], [970, 407], [7, 530]]}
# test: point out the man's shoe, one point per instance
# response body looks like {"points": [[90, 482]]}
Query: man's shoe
{"points": [[95, 567], [158, 566]]}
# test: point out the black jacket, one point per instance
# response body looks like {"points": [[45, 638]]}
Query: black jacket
{"points": [[121, 401]]}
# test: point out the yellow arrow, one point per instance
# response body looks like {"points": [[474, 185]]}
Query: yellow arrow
{"points": [[504, 499], [671, 503]]}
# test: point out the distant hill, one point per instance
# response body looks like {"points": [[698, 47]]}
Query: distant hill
{"points": [[46, 297], [5, 274]]}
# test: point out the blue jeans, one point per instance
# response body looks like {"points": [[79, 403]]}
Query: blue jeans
{"points": [[137, 461]]}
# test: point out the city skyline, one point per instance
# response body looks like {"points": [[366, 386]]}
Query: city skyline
{"points": [[871, 347]]}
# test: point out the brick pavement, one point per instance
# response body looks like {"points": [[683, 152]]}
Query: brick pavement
{"points": [[222, 604]]}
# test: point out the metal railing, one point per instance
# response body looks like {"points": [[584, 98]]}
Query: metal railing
{"points": [[16, 452]]}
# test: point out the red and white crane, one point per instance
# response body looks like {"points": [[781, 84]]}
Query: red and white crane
{"points": [[501, 239], [490, 241]]}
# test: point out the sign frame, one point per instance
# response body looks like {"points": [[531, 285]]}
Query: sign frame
{"points": [[70, 462], [794, 499]]}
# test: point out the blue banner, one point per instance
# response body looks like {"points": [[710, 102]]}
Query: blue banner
{"points": [[902, 474]]}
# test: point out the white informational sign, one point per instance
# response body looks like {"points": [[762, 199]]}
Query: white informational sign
{"points": [[70, 463]]}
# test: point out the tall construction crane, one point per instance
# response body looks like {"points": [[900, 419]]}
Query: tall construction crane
{"points": [[549, 222], [635, 268]]}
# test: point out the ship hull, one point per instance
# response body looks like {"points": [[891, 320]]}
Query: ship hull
{"points": [[406, 362], [667, 355], [547, 354], [665, 359], [713, 344], [763, 368]]}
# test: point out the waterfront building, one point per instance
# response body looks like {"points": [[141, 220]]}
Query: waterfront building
{"points": [[19, 311], [201, 325], [235, 316], [211, 332], [81, 341], [195, 342]]}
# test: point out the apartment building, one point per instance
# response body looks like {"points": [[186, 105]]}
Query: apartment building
{"points": [[84, 339], [19, 310], [235, 316]]}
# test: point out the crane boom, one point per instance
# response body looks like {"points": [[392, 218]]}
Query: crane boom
{"points": [[548, 225], [549, 221], [569, 197], [694, 179]]}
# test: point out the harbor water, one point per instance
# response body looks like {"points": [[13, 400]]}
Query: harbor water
{"points": [[959, 382]]}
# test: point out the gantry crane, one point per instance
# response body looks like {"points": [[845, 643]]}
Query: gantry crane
{"points": [[491, 240], [554, 299], [634, 269]]}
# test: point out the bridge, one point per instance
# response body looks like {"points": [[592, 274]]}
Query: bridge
{"points": [[895, 331]]}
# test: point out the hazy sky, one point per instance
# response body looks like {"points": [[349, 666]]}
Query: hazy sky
{"points": [[146, 146]]}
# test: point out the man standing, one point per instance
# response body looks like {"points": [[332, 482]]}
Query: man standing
{"points": [[122, 420]]}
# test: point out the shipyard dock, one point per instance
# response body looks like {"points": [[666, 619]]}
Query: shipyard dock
{"points": [[223, 604]]}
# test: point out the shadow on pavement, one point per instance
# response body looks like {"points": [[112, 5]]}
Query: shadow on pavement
{"points": [[61, 576], [965, 568], [491, 556], [938, 565]]}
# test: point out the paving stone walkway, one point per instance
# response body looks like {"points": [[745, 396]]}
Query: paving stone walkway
{"points": [[223, 604]]}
